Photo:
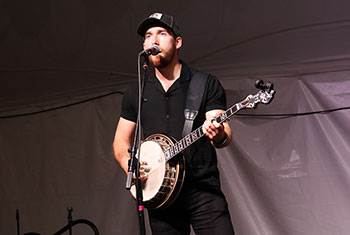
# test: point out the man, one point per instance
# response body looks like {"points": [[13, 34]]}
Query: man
{"points": [[201, 202]]}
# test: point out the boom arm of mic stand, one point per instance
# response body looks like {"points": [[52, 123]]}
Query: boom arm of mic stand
{"points": [[135, 162], [75, 222]]}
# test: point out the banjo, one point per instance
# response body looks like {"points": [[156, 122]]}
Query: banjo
{"points": [[165, 169]]}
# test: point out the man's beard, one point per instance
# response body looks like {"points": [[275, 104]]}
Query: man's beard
{"points": [[161, 61]]}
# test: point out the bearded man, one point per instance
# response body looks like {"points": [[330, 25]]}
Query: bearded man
{"points": [[200, 202]]}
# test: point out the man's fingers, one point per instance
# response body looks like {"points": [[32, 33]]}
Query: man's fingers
{"points": [[211, 128]]}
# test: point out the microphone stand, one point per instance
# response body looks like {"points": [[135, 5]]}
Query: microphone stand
{"points": [[17, 221], [134, 162], [70, 218]]}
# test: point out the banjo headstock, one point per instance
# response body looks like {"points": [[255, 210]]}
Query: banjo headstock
{"points": [[264, 95]]}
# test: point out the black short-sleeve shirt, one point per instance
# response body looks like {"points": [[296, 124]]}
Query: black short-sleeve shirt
{"points": [[163, 113]]}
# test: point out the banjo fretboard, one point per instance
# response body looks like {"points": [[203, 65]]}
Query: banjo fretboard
{"points": [[195, 135]]}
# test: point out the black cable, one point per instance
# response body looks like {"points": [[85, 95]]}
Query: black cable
{"points": [[286, 115], [61, 107], [282, 115]]}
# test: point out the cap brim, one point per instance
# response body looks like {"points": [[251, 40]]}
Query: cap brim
{"points": [[149, 23]]}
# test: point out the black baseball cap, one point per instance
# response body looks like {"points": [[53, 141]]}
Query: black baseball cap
{"points": [[158, 19]]}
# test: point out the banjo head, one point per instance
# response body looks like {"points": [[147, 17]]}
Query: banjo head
{"points": [[152, 153], [164, 178]]}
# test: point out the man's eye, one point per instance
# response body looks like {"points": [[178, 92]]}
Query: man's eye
{"points": [[148, 36]]}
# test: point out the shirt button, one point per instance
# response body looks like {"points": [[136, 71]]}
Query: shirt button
{"points": [[167, 116], [166, 98]]}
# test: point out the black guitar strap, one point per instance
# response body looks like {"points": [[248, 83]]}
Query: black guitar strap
{"points": [[194, 99]]}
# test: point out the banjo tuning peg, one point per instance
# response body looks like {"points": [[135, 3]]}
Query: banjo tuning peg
{"points": [[259, 84], [262, 86]]}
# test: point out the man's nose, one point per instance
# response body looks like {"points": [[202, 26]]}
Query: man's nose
{"points": [[155, 40]]}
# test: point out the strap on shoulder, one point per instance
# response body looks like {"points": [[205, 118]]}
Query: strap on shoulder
{"points": [[194, 99]]}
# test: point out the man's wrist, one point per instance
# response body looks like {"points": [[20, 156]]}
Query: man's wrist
{"points": [[222, 142]]}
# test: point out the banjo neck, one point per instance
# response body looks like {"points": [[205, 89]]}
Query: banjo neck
{"points": [[263, 96], [195, 135]]}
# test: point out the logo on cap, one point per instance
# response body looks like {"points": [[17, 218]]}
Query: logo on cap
{"points": [[156, 15]]}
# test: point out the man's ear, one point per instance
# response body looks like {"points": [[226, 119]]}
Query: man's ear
{"points": [[178, 42]]}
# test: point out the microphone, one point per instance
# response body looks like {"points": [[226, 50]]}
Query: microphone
{"points": [[153, 50]]}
